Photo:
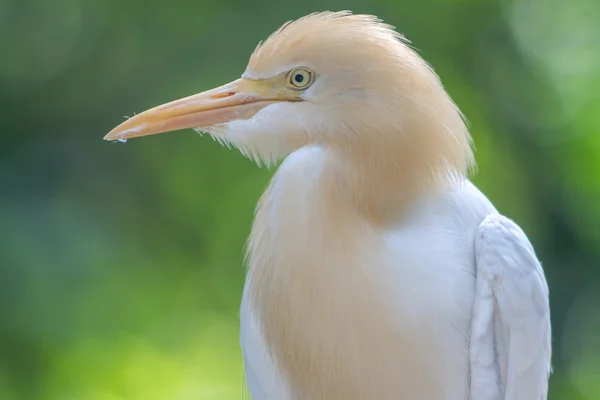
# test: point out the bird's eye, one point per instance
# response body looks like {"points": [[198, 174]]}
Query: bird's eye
{"points": [[301, 78]]}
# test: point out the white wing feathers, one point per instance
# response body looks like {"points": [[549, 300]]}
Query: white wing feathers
{"points": [[510, 334]]}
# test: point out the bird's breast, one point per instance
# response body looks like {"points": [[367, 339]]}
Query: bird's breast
{"points": [[339, 309]]}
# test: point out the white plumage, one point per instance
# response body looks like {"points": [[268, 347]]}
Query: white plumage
{"points": [[510, 334]]}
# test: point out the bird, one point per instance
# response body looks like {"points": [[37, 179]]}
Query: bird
{"points": [[375, 268]]}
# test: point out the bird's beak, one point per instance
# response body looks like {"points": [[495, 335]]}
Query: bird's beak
{"points": [[240, 99]]}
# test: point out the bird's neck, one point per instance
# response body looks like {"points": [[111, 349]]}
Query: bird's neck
{"points": [[316, 266], [382, 182]]}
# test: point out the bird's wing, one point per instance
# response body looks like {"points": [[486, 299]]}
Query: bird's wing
{"points": [[510, 334]]}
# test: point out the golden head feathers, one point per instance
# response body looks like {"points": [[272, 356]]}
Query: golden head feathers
{"points": [[313, 38]]}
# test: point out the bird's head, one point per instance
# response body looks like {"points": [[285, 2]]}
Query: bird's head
{"points": [[333, 79]]}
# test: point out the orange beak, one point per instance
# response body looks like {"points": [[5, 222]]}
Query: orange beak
{"points": [[240, 99]]}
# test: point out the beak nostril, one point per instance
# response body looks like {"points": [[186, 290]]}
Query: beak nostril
{"points": [[223, 95]]}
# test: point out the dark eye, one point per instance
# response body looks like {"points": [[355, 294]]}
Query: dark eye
{"points": [[301, 78]]}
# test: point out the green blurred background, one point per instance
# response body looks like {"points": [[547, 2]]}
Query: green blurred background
{"points": [[121, 266]]}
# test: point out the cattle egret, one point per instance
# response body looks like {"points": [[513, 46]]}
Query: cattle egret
{"points": [[376, 270]]}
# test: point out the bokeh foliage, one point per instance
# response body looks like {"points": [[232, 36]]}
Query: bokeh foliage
{"points": [[121, 265]]}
